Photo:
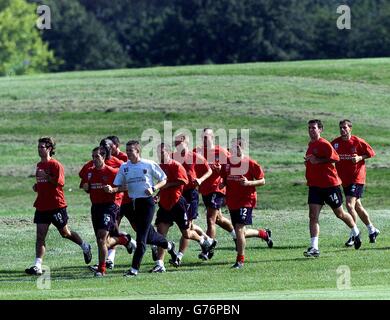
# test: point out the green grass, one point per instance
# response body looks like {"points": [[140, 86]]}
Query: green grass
{"points": [[272, 100]]}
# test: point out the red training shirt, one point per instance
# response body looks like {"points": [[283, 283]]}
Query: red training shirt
{"points": [[322, 175], [50, 195], [348, 171], [238, 196], [97, 179], [218, 155], [195, 164], [171, 195]]}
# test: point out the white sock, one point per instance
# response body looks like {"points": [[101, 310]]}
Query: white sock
{"points": [[84, 246], [233, 234], [111, 254], [314, 242], [38, 263], [201, 240], [134, 243], [160, 263], [169, 246], [371, 229], [355, 231], [180, 255]]}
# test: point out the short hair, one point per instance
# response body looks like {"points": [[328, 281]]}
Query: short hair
{"points": [[107, 145], [134, 143], [101, 150], [49, 143], [183, 136], [348, 122], [114, 139], [316, 121], [165, 146]]}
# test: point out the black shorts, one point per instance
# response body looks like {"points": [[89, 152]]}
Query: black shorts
{"points": [[354, 190], [332, 196], [104, 217], [58, 217], [192, 198], [177, 214], [214, 200], [241, 216], [126, 210]]}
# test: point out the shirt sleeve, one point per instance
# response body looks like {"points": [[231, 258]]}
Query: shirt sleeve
{"points": [[158, 173], [329, 152], [58, 174], [120, 177], [257, 171], [366, 149]]}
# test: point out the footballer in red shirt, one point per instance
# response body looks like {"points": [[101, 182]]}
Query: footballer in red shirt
{"points": [[198, 170], [324, 186], [113, 162], [351, 168], [241, 176], [50, 204], [212, 194], [104, 209], [173, 206]]}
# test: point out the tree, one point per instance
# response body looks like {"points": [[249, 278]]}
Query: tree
{"points": [[21, 47], [80, 40]]}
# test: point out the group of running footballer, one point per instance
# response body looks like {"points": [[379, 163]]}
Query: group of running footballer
{"points": [[123, 184]]}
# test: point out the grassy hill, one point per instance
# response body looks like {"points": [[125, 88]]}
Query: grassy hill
{"points": [[272, 100]]}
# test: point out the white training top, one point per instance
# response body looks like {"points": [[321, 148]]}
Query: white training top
{"points": [[139, 176]]}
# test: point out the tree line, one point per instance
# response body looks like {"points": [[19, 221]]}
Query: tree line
{"points": [[101, 34]]}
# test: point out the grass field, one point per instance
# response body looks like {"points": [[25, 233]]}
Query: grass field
{"points": [[272, 100]]}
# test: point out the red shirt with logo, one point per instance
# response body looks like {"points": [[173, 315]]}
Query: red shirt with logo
{"points": [[348, 171], [322, 175], [113, 162], [218, 155], [195, 164], [50, 194], [97, 179], [238, 196], [171, 195]]}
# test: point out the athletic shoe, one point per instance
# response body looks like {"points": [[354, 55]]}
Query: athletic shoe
{"points": [[131, 244], [176, 263], [358, 242], [172, 252], [88, 255], [203, 256], [350, 242], [109, 264], [94, 268], [157, 269], [373, 236], [311, 252], [269, 241], [154, 252], [130, 274], [238, 265], [34, 271], [99, 274]]}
